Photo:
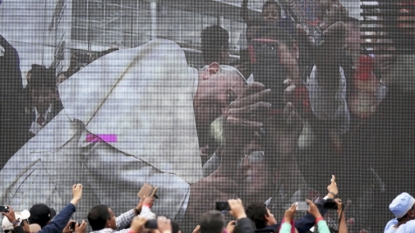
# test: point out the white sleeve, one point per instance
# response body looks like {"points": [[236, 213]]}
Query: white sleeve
{"points": [[329, 107]]}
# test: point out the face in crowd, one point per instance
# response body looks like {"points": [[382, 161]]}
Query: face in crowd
{"points": [[396, 69], [271, 12], [217, 88], [42, 97]]}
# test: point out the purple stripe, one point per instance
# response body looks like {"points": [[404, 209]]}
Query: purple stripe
{"points": [[101, 138]]}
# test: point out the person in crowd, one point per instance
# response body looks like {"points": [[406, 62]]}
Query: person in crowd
{"points": [[322, 226], [102, 219], [214, 222], [265, 221], [215, 45], [403, 207], [288, 223], [271, 15], [386, 138], [42, 106], [321, 102], [11, 105], [15, 221], [271, 12], [41, 214]]}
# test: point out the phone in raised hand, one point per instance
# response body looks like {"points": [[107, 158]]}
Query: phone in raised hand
{"points": [[302, 205]]}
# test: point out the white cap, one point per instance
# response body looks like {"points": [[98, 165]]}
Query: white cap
{"points": [[7, 225]]}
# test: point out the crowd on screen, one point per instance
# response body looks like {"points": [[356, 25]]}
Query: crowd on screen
{"points": [[288, 114]]}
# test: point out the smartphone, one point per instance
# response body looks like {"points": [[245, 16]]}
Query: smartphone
{"points": [[302, 205], [151, 224], [72, 226], [222, 206], [4, 209]]}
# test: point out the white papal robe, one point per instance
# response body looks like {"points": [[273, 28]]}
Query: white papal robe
{"points": [[140, 96]]}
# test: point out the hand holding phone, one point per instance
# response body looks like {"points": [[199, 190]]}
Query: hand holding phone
{"points": [[73, 224], [302, 205]]}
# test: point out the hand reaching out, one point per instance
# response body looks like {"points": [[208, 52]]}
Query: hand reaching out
{"points": [[164, 225], [231, 226], [80, 228], [146, 201], [290, 212], [67, 228], [332, 188], [77, 193], [237, 208], [313, 210], [137, 225], [197, 229]]}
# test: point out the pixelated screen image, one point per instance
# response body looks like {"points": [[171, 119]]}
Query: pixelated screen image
{"points": [[207, 116]]}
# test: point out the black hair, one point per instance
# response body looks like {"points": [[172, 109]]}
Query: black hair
{"points": [[212, 222], [175, 227], [42, 77], [257, 212], [271, 2], [98, 216], [214, 40]]}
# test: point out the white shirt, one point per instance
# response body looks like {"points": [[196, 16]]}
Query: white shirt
{"points": [[35, 127]]}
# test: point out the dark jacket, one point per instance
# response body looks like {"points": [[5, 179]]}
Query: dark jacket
{"points": [[244, 225], [11, 102], [60, 220]]}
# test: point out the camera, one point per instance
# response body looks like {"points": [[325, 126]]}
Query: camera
{"points": [[4, 209], [222, 206], [151, 224], [330, 204], [73, 224]]}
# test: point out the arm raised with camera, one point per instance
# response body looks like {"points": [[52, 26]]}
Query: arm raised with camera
{"points": [[11, 216], [125, 219], [237, 210], [341, 215], [62, 219]]}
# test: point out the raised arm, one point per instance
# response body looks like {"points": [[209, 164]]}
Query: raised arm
{"points": [[341, 215]]}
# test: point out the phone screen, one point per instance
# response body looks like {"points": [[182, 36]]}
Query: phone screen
{"points": [[302, 205]]}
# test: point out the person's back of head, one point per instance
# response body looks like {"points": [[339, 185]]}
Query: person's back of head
{"points": [[212, 222], [175, 227], [257, 212], [98, 216], [41, 214], [215, 45]]}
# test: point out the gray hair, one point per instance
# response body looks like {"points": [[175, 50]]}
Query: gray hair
{"points": [[225, 69]]}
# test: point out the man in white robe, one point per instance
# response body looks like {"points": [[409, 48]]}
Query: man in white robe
{"points": [[136, 105]]}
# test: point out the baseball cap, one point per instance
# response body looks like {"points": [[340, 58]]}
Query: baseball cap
{"points": [[41, 214], [7, 225]]}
